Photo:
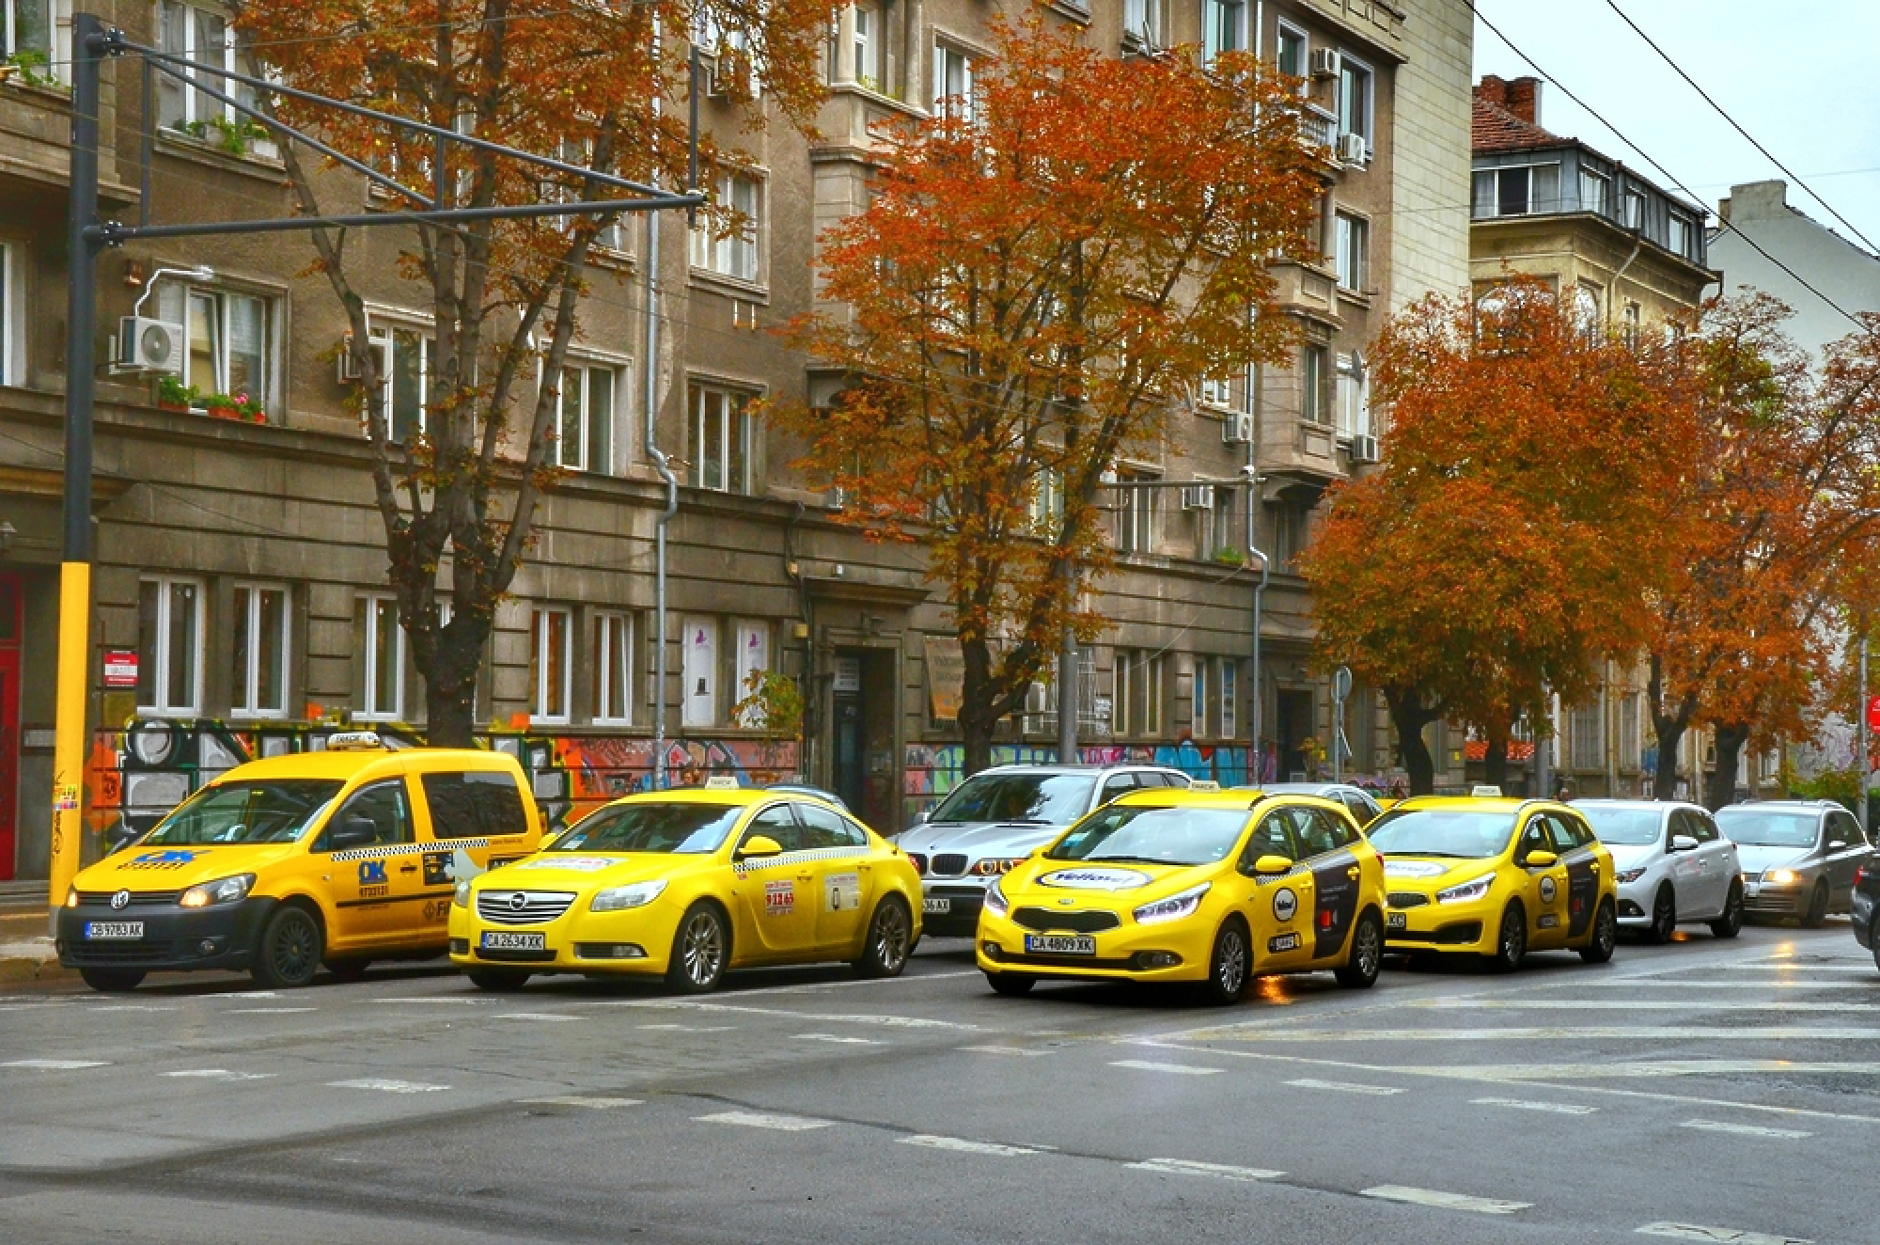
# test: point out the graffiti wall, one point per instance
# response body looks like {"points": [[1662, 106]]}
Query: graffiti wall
{"points": [[935, 769]]}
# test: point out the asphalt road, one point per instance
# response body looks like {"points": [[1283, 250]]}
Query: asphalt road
{"points": [[1687, 1092]]}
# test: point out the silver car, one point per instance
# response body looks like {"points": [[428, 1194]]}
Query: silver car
{"points": [[1798, 857], [1673, 864], [999, 816], [1362, 804]]}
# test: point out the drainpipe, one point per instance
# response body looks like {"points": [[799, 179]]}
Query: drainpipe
{"points": [[1612, 286], [650, 369], [1257, 699]]}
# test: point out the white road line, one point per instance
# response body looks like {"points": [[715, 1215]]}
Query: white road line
{"points": [[56, 1065], [1446, 1201], [1220, 1171], [1145, 1065], [816, 987], [755, 1119], [1791, 966], [451, 1000], [1778, 984], [963, 1146], [856, 1018], [574, 1100], [692, 1028], [1694, 1232], [1346, 1087], [220, 1074], [1745, 1130], [1522, 1104], [1006, 1050], [387, 1086], [534, 1016], [836, 1038], [1638, 1005], [267, 1011], [130, 1007], [1605, 1033]]}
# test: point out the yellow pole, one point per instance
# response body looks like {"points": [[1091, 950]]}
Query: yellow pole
{"points": [[68, 749]]}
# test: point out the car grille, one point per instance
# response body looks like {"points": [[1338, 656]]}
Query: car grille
{"points": [[1454, 935], [537, 907], [1408, 899], [919, 861], [1081, 922], [138, 898], [949, 864], [84, 953], [1064, 961], [512, 956]]}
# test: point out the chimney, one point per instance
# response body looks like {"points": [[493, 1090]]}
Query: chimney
{"points": [[1524, 99], [1492, 90]]}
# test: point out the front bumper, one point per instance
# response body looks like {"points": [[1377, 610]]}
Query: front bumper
{"points": [[1635, 900], [635, 942], [1122, 954], [175, 939], [1464, 927], [1767, 899], [965, 899]]}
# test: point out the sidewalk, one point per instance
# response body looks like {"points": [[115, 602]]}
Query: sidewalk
{"points": [[26, 952]]}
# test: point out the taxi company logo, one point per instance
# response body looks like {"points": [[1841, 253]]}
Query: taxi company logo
{"points": [[1548, 890], [1413, 868], [119, 900], [1095, 879], [172, 859], [1285, 904], [372, 873], [779, 898]]}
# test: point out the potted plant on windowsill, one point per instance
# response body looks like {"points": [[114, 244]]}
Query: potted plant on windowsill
{"points": [[174, 395], [222, 406]]}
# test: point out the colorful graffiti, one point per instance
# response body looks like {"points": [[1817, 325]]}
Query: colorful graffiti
{"points": [[935, 769]]}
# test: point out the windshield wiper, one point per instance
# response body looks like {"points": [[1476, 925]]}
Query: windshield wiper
{"points": [[1141, 860], [1443, 855], [1026, 821]]}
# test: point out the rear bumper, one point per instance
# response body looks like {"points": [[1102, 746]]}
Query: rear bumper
{"points": [[175, 939], [1862, 911]]}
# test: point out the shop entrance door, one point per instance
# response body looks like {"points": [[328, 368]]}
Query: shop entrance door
{"points": [[9, 722], [863, 771], [1295, 727]]}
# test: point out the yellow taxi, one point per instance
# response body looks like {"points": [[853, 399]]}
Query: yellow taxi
{"points": [[689, 884], [340, 856], [1496, 877], [1209, 887]]}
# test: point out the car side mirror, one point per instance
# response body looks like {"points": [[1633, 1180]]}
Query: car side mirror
{"points": [[119, 837], [1270, 866], [1541, 860], [923, 815], [758, 846], [353, 832], [1683, 843]]}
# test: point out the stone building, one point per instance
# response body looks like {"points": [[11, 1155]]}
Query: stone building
{"points": [[240, 581]]}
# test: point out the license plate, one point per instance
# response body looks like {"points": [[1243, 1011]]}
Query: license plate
{"points": [[101, 931], [1750, 888], [495, 940], [1061, 944], [1396, 920], [936, 907]]}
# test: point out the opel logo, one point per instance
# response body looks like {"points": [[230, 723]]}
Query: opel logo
{"points": [[518, 901], [120, 899]]}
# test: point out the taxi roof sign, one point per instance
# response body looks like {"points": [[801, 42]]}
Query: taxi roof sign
{"points": [[1204, 784], [1485, 791], [342, 741], [721, 782]]}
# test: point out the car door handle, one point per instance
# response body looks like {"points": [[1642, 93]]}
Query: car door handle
{"points": [[407, 868]]}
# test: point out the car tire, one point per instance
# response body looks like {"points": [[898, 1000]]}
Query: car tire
{"points": [[701, 949], [290, 949], [1605, 937], [1510, 940], [889, 942], [1873, 941], [1228, 965], [1359, 972], [1664, 916], [1817, 911], [1730, 924], [498, 980], [1011, 985], [112, 980], [348, 969]]}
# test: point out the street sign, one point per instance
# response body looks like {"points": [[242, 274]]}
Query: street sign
{"points": [[1341, 685], [1873, 713], [120, 667]]}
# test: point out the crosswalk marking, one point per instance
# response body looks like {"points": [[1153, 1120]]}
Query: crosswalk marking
{"points": [[1347, 1087], [1220, 1171], [575, 1100], [1695, 1232], [1521, 1104], [220, 1074], [837, 1038], [267, 1011], [56, 1065], [1146, 1065], [1745, 1130], [1005, 1050], [1446, 1201], [548, 1016], [1615, 1033], [963, 1146], [387, 1086], [1639, 1005], [757, 1119]]}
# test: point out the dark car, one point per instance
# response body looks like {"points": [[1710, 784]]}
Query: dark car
{"points": [[1798, 857], [1865, 908]]}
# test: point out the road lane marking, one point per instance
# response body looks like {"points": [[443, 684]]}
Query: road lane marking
{"points": [[1638, 1005], [534, 1016], [692, 1028], [1446, 1201], [387, 1086], [1522, 1104], [220, 1074], [856, 1018], [963, 1146], [1792, 966], [56, 1065], [267, 1011], [130, 1007], [451, 1000], [1220, 1171], [575, 1100], [1779, 984], [1347, 1087], [1745, 1130], [1695, 1232], [813, 987], [1006, 1050], [836, 1038], [1603, 1033], [757, 1119], [1146, 1065]]}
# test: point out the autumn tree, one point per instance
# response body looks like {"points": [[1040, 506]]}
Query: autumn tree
{"points": [[1040, 269], [1494, 560], [594, 85]]}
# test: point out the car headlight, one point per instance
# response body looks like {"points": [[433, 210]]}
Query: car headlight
{"points": [[1174, 908], [996, 903], [71, 896], [222, 890], [461, 896], [992, 866], [637, 895], [1780, 877], [1472, 889], [1631, 875]]}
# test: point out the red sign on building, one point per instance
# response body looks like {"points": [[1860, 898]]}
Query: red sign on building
{"points": [[120, 667]]}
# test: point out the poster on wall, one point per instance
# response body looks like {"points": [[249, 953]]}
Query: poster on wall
{"points": [[753, 655], [946, 675], [699, 668]]}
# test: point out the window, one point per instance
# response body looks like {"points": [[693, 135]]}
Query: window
{"points": [[1633, 217], [11, 373], [258, 678], [204, 37], [868, 47], [1227, 675], [1293, 49], [699, 670], [1223, 27], [1632, 327], [549, 632], [474, 804], [1143, 22], [1594, 188], [1352, 398], [718, 440], [1137, 703], [952, 82], [752, 656], [29, 26], [737, 252], [1214, 524], [384, 688], [1291, 530], [1519, 191], [1312, 385], [1045, 508], [1678, 234], [1352, 250], [385, 807], [1587, 724], [825, 828], [613, 669], [584, 418], [1217, 392], [230, 339], [1354, 99], [1198, 709], [169, 646], [1138, 512], [406, 357]]}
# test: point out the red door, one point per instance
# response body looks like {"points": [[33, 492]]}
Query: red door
{"points": [[9, 720]]}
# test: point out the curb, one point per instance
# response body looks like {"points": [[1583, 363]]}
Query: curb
{"points": [[17, 970]]}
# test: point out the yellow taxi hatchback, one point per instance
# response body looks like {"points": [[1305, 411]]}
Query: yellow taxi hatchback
{"points": [[689, 884], [1496, 877], [1206, 887], [340, 857]]}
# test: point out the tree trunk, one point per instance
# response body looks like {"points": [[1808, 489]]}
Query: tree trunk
{"points": [[1495, 761], [1668, 729], [976, 723], [1721, 789], [450, 663], [1409, 716]]}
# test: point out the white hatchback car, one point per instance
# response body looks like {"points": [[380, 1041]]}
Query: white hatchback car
{"points": [[1674, 866]]}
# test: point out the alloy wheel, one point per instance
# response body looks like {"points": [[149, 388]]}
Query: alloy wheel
{"points": [[703, 949], [891, 937]]}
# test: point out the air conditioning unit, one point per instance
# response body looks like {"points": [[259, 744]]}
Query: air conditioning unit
{"points": [[149, 346], [1237, 429], [1038, 717], [1353, 149], [1363, 449], [1326, 63], [1198, 497]]}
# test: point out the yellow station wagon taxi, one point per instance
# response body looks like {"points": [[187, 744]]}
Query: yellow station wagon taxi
{"points": [[689, 884], [1497, 877], [1210, 887], [339, 856]]}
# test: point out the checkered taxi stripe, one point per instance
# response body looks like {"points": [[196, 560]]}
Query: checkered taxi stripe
{"points": [[791, 858], [409, 849]]}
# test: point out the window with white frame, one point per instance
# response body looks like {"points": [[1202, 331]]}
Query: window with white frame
{"points": [[204, 37], [1522, 190], [1354, 99], [698, 671], [752, 637], [1292, 52], [550, 630], [1144, 22], [1223, 27], [1218, 392], [1632, 326], [1199, 701], [169, 645], [1595, 191], [869, 47], [382, 696], [1351, 250], [1678, 233], [1352, 398], [584, 417], [33, 36], [406, 356], [1632, 214], [231, 339], [1045, 507], [1136, 705], [1586, 725], [1138, 514], [952, 81], [263, 632], [1227, 672], [737, 252], [580, 153], [718, 439], [613, 669], [1312, 384]]}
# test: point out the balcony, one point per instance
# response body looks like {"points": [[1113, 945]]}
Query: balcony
{"points": [[1305, 290], [1318, 134], [1378, 23], [1300, 449]]}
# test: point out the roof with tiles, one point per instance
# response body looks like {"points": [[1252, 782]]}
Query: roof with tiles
{"points": [[1504, 115]]}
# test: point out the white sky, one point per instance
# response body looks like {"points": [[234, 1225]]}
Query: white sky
{"points": [[1802, 77]]}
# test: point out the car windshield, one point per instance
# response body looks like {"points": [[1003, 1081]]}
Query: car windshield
{"points": [[1041, 799], [1627, 827], [1157, 836], [246, 812], [1462, 833], [684, 828], [1756, 828]]}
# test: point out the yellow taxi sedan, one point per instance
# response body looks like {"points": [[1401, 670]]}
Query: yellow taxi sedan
{"points": [[1205, 887], [688, 884], [1496, 877]]}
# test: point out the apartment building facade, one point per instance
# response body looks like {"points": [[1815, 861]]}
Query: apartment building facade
{"points": [[240, 601]]}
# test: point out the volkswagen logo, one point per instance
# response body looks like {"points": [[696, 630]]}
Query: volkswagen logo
{"points": [[120, 899], [518, 901]]}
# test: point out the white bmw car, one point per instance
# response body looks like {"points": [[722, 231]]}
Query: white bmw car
{"points": [[1674, 866]]}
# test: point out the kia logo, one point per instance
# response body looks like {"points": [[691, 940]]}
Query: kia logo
{"points": [[120, 899], [518, 901]]}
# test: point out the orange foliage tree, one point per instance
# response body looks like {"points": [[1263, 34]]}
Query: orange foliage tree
{"points": [[574, 81], [1040, 269], [1501, 552]]}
